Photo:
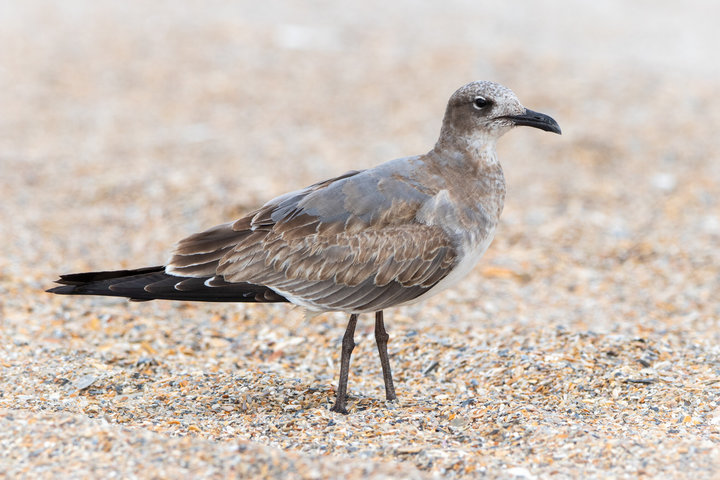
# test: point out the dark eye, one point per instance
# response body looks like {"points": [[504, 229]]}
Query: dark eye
{"points": [[480, 102]]}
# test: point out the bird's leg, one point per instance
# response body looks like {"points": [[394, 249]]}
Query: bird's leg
{"points": [[381, 338], [348, 344]]}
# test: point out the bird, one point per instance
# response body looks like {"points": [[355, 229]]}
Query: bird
{"points": [[358, 243]]}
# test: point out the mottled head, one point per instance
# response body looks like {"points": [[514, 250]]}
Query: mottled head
{"points": [[481, 112]]}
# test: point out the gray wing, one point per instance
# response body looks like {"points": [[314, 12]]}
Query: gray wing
{"points": [[351, 243]]}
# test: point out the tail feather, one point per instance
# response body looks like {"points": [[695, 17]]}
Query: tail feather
{"points": [[152, 283], [87, 277]]}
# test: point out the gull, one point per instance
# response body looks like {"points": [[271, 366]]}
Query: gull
{"points": [[359, 243]]}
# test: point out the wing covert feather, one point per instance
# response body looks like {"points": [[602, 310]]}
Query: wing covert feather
{"points": [[350, 243]]}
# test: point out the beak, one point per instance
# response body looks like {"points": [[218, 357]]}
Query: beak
{"points": [[537, 120]]}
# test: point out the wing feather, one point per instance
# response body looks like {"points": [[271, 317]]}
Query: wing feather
{"points": [[355, 271], [347, 244]]}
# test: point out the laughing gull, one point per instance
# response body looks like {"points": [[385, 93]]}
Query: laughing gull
{"points": [[358, 243]]}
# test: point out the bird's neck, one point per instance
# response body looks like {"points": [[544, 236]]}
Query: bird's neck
{"points": [[471, 152], [474, 170]]}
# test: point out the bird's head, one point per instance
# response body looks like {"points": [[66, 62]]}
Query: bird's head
{"points": [[481, 112]]}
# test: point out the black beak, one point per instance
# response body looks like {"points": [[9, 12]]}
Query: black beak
{"points": [[537, 120]]}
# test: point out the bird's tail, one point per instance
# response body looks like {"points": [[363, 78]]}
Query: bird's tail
{"points": [[152, 283]]}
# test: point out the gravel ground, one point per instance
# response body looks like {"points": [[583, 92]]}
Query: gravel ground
{"points": [[585, 344]]}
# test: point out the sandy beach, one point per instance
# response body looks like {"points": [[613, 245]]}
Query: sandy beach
{"points": [[585, 344]]}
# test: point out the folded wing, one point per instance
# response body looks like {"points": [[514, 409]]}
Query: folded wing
{"points": [[351, 243]]}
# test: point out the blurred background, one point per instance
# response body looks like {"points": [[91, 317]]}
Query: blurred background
{"points": [[588, 334]]}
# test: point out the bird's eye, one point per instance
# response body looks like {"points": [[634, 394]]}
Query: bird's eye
{"points": [[480, 102]]}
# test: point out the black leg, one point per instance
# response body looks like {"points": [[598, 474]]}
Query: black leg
{"points": [[348, 344], [381, 338]]}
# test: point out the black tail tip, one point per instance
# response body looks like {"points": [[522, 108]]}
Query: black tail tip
{"points": [[62, 290]]}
